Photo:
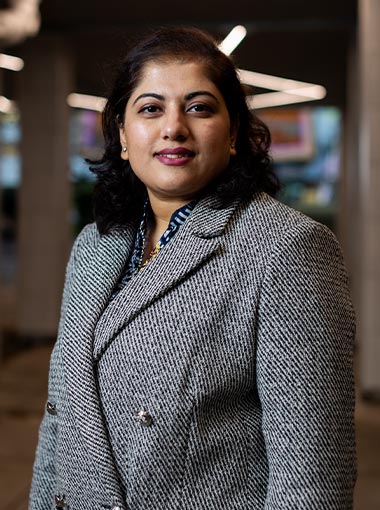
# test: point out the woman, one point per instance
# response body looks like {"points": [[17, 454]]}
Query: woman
{"points": [[204, 356]]}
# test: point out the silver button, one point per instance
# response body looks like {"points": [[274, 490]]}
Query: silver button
{"points": [[60, 501], [51, 408], [144, 418]]}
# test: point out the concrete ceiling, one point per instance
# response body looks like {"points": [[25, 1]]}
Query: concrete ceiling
{"points": [[297, 39]]}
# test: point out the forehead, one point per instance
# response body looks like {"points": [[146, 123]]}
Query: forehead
{"points": [[175, 77]]}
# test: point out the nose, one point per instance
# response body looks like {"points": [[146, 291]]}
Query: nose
{"points": [[175, 125]]}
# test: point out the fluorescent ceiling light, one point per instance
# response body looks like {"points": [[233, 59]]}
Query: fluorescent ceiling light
{"points": [[233, 39], [267, 81], [10, 62], [86, 102], [277, 99], [6, 105], [287, 91]]}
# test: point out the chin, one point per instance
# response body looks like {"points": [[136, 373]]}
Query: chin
{"points": [[176, 190]]}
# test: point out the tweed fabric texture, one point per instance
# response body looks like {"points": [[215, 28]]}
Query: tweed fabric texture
{"points": [[237, 340]]}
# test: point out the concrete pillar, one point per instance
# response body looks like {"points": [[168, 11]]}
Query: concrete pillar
{"points": [[44, 202], [369, 190], [349, 199]]}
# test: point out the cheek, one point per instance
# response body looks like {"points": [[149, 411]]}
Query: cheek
{"points": [[218, 149], [138, 137], [217, 136]]}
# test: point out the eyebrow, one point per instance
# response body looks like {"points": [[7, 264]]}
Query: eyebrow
{"points": [[189, 96]]}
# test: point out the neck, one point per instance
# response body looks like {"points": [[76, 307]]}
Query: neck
{"points": [[162, 212], [163, 209]]}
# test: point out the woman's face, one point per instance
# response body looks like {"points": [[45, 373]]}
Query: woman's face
{"points": [[177, 130]]}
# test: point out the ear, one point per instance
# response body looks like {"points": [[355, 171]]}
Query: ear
{"points": [[123, 143], [233, 137]]}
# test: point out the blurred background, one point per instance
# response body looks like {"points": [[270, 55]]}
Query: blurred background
{"points": [[56, 62]]}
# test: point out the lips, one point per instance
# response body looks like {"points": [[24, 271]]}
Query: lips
{"points": [[176, 152], [177, 156]]}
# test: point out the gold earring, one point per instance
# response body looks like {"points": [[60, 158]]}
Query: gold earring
{"points": [[124, 153]]}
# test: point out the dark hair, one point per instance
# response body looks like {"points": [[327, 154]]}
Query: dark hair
{"points": [[119, 194]]}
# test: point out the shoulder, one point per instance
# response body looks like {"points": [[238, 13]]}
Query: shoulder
{"points": [[82, 250], [276, 224], [86, 241], [296, 248], [271, 214], [88, 236], [271, 236]]}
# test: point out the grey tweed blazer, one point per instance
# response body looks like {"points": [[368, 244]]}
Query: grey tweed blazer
{"points": [[219, 378]]}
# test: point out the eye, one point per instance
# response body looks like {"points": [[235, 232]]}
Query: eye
{"points": [[200, 108], [150, 108]]}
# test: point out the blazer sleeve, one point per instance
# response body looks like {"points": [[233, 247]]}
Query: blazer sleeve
{"points": [[43, 481], [305, 343]]}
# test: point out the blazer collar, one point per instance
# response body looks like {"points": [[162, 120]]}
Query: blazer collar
{"points": [[196, 241]]}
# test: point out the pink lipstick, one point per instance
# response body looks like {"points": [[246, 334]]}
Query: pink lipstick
{"points": [[177, 156]]}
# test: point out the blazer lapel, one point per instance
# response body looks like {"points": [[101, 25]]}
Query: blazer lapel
{"points": [[196, 242], [89, 295]]}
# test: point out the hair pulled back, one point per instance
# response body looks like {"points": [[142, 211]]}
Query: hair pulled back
{"points": [[119, 194]]}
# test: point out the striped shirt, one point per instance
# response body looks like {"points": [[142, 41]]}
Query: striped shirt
{"points": [[135, 262]]}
